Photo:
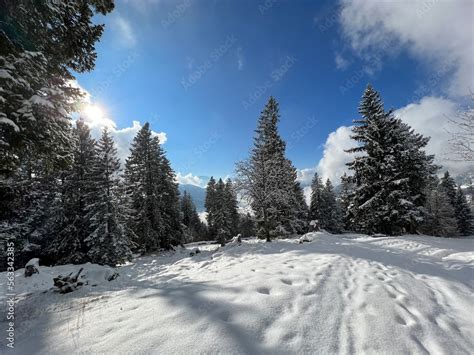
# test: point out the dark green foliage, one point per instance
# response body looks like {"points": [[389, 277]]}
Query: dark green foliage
{"points": [[345, 196], [268, 180], [153, 194], [247, 226], [439, 218], [41, 44], [463, 214], [109, 239], [316, 203], [391, 176], [222, 210]]}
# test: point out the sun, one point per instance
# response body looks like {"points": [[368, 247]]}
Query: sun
{"points": [[93, 112], [95, 115]]}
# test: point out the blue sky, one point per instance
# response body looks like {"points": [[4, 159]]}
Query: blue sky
{"points": [[201, 72]]}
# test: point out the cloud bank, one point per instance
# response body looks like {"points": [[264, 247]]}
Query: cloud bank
{"points": [[435, 32], [190, 179]]}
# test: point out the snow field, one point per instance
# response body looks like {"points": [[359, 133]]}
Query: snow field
{"points": [[337, 294]]}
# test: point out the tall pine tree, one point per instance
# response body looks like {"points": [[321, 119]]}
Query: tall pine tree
{"points": [[211, 207], [153, 194], [79, 192], [331, 219], [268, 178], [316, 202], [231, 207], [463, 214], [345, 197], [109, 241], [390, 171], [440, 218]]}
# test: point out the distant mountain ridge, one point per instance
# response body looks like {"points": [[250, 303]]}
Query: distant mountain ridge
{"points": [[198, 195]]}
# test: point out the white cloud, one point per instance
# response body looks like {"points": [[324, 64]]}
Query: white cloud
{"points": [[333, 163], [203, 217], [431, 117], [305, 176], [341, 62], [438, 32], [190, 179], [125, 34], [307, 194]]}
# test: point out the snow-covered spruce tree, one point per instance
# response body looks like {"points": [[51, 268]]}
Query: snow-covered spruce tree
{"points": [[150, 185], [440, 219], [458, 201], [267, 178], [449, 186], [299, 223], [109, 240], [231, 207], [35, 213], [211, 207], [390, 171], [316, 202], [40, 44], [172, 233], [221, 208], [79, 189], [463, 214], [193, 229], [222, 220], [247, 226], [345, 196], [331, 219]]}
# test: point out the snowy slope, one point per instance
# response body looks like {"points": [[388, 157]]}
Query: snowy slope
{"points": [[337, 294]]}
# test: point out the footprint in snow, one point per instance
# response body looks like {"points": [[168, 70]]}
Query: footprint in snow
{"points": [[287, 282], [224, 315], [263, 290]]}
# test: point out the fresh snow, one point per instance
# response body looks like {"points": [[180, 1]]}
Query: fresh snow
{"points": [[330, 294], [7, 121]]}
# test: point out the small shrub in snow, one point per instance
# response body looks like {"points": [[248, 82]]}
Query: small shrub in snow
{"points": [[32, 267]]}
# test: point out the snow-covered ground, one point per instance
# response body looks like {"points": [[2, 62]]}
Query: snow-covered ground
{"points": [[336, 294]]}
